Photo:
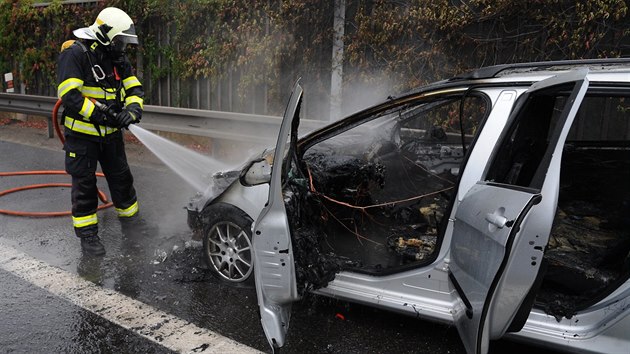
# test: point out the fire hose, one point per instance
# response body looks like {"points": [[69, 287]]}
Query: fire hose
{"points": [[101, 195]]}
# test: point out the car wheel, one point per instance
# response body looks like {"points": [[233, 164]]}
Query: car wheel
{"points": [[227, 243]]}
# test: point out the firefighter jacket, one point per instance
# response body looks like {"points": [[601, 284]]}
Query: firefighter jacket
{"points": [[85, 71]]}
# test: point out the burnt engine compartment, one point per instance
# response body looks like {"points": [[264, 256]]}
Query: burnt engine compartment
{"points": [[373, 210], [588, 254]]}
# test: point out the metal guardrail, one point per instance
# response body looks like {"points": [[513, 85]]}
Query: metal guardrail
{"points": [[213, 124]]}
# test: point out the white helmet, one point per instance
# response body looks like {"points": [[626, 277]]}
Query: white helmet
{"points": [[110, 23]]}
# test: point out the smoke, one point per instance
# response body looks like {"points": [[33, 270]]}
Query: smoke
{"points": [[360, 95]]}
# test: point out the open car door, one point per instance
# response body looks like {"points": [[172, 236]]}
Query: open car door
{"points": [[274, 267], [502, 224]]}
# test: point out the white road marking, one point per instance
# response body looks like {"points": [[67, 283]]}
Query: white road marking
{"points": [[158, 326]]}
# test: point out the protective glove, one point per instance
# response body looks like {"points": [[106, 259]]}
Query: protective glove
{"points": [[102, 118], [125, 118], [112, 110], [135, 109]]}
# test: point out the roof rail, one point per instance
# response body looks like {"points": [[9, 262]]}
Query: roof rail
{"points": [[492, 71]]}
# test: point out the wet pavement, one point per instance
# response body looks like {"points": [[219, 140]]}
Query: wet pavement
{"points": [[34, 321], [156, 262]]}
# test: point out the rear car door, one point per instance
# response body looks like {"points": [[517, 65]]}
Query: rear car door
{"points": [[274, 267], [502, 224]]}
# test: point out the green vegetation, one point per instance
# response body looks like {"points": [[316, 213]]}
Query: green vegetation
{"points": [[267, 44]]}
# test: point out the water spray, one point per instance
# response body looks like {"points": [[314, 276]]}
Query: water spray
{"points": [[191, 166]]}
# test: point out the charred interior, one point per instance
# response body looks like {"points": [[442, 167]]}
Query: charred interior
{"points": [[588, 254], [589, 248], [373, 198]]}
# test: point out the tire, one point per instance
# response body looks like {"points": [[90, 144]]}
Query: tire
{"points": [[227, 243]]}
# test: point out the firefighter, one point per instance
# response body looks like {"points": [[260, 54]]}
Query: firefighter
{"points": [[95, 67]]}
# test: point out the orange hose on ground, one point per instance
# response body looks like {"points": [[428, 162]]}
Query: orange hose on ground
{"points": [[101, 195]]}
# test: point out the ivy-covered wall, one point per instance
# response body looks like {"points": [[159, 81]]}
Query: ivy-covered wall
{"points": [[243, 55], [31, 36]]}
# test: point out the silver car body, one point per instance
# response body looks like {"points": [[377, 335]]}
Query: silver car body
{"points": [[429, 292]]}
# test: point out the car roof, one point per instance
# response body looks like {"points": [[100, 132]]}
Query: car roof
{"points": [[547, 67], [524, 74]]}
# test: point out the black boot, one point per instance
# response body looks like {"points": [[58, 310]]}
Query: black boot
{"points": [[92, 245]]}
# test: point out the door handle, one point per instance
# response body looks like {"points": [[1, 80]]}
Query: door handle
{"points": [[496, 220]]}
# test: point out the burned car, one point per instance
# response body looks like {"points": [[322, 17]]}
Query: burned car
{"points": [[497, 201]]}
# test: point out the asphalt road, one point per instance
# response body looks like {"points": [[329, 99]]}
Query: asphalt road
{"points": [[157, 264]]}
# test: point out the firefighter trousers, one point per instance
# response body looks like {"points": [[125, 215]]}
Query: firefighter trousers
{"points": [[82, 156]]}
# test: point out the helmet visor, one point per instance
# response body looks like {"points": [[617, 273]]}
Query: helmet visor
{"points": [[119, 43], [131, 32]]}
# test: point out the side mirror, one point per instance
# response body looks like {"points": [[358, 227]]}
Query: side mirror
{"points": [[257, 172]]}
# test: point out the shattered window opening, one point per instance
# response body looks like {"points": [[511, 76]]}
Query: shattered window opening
{"points": [[525, 145], [372, 198]]}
